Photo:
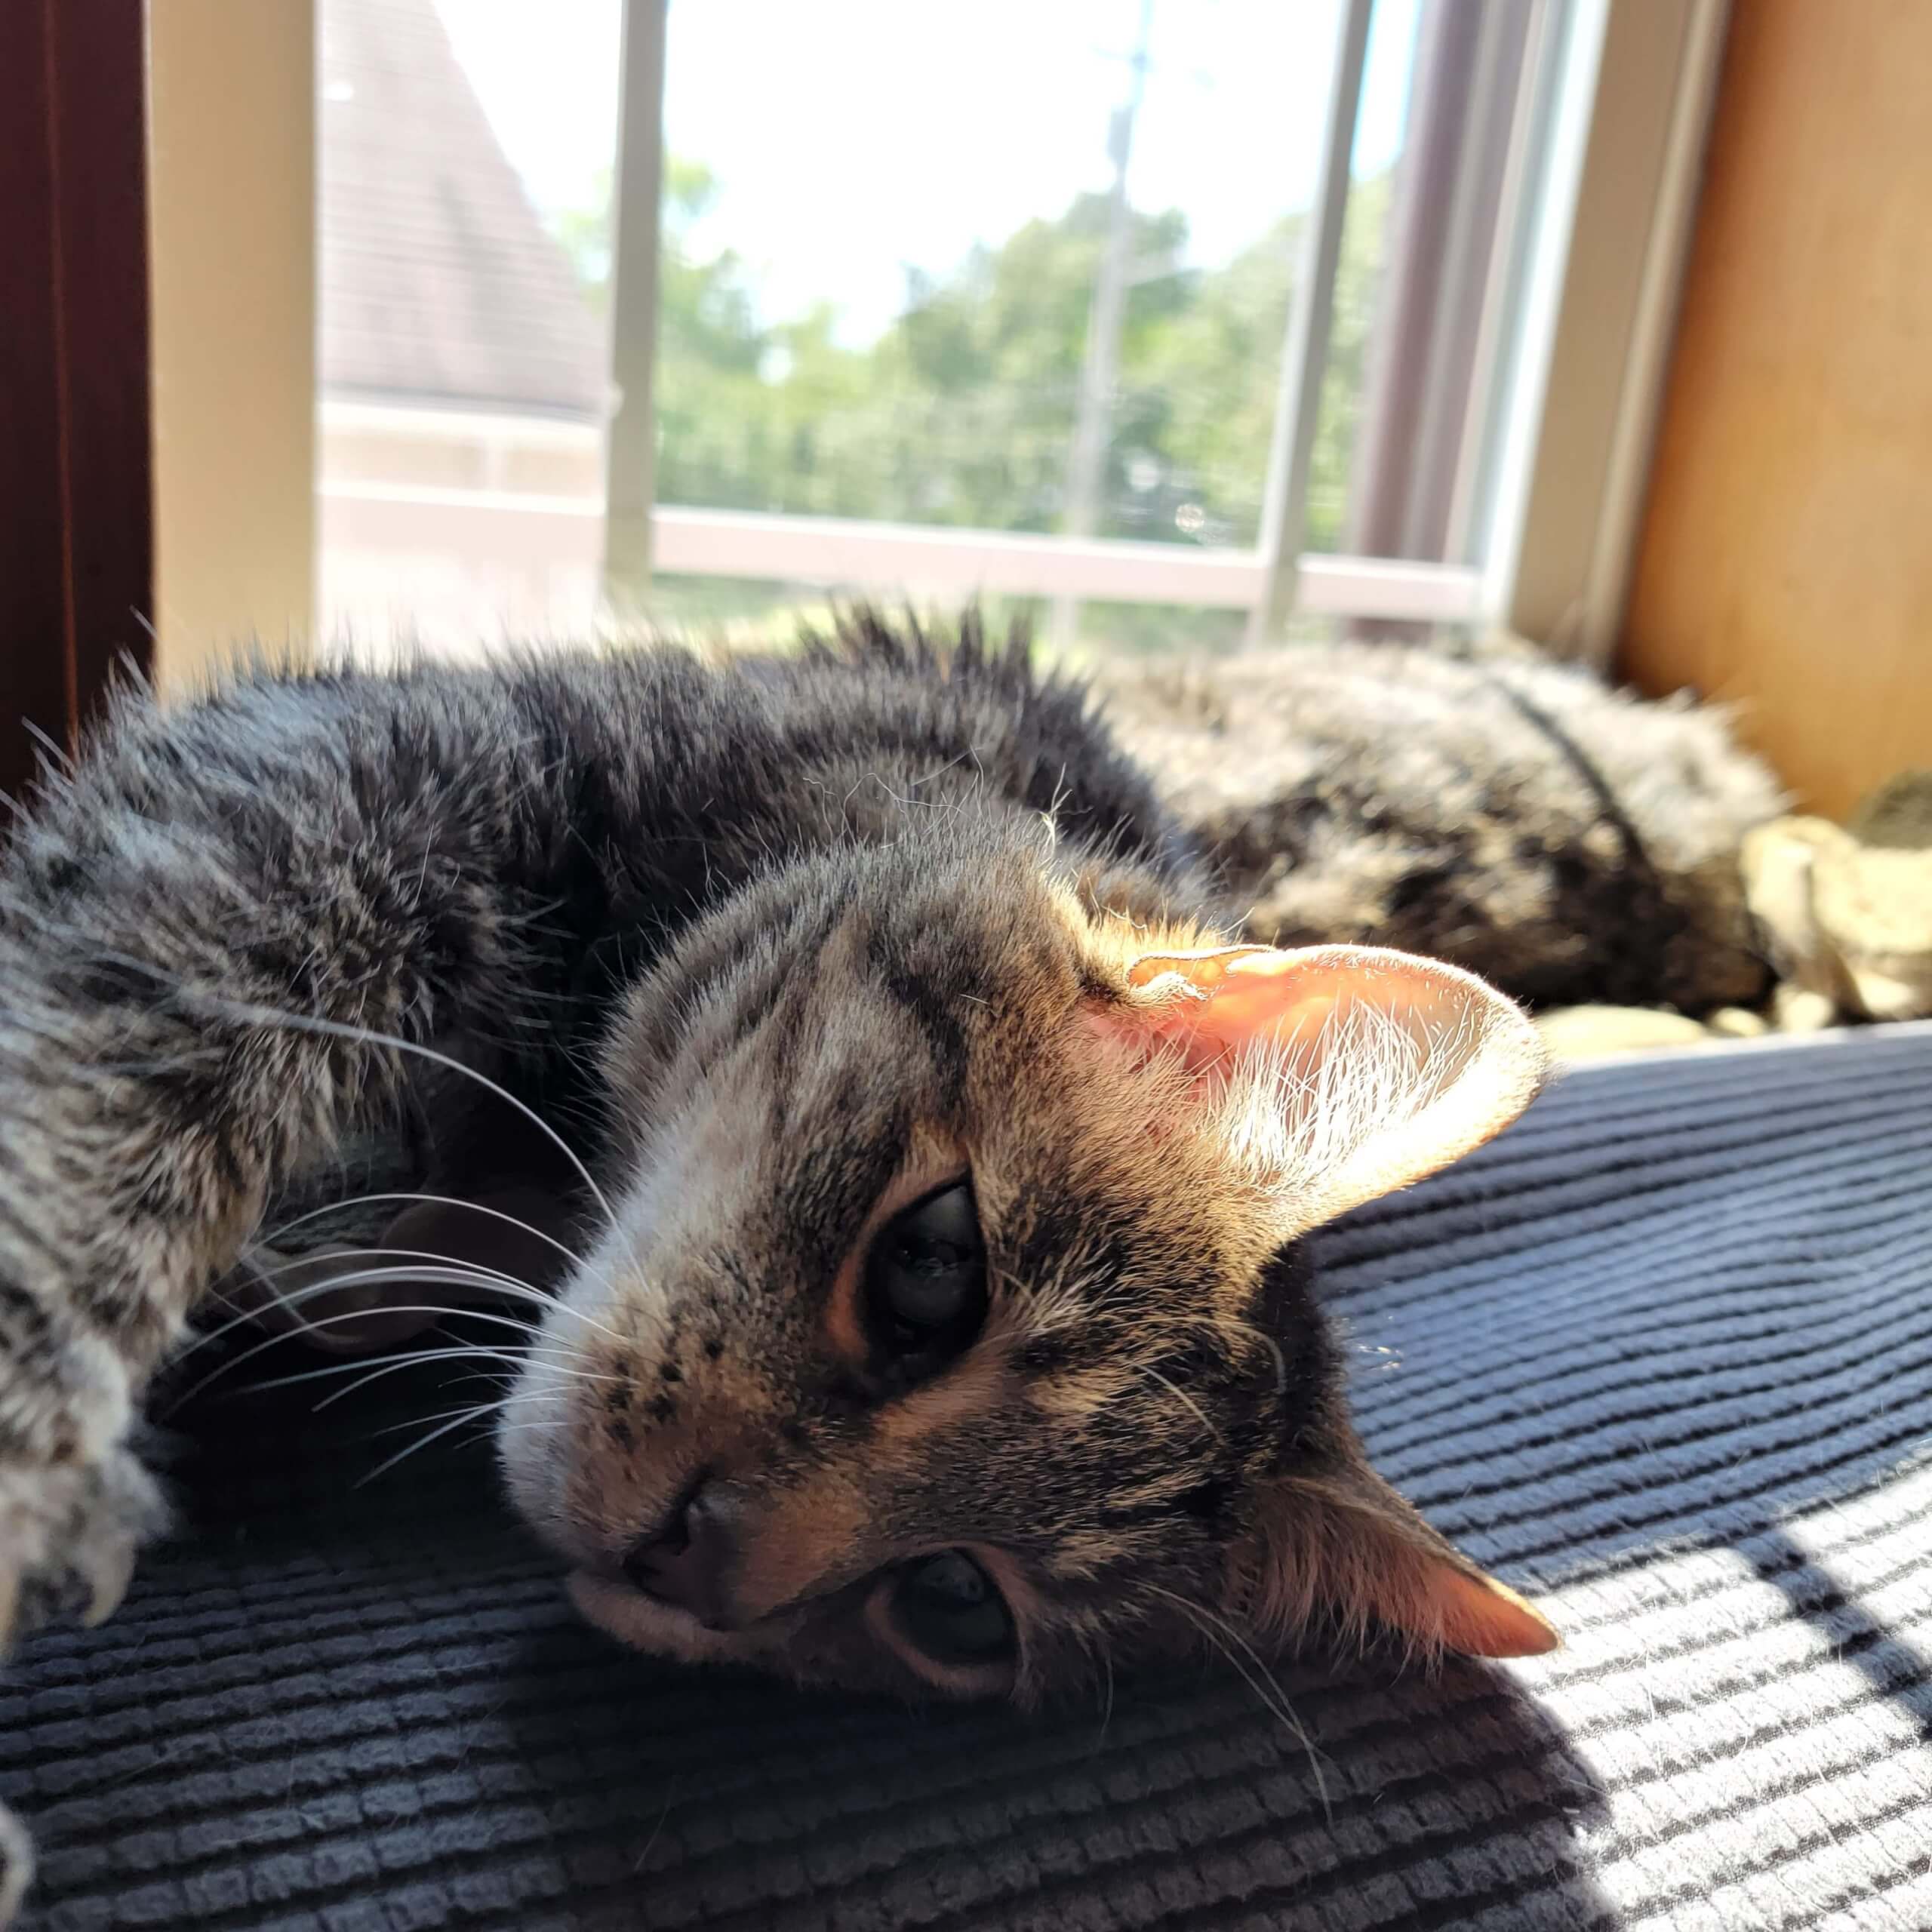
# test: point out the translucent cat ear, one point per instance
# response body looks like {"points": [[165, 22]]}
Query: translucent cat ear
{"points": [[1335, 1073], [1342, 1545]]}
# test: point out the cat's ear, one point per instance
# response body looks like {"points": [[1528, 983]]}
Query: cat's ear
{"points": [[1339, 1543], [1332, 1074]]}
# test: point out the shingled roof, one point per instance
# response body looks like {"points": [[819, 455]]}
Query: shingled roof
{"points": [[438, 281]]}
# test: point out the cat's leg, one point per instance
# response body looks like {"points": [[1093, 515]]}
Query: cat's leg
{"points": [[213, 935]]}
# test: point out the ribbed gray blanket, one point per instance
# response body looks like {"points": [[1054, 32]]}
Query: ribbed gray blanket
{"points": [[1662, 1356]]}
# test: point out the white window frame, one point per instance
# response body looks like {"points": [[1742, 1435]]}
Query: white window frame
{"points": [[1605, 275], [1599, 257]]}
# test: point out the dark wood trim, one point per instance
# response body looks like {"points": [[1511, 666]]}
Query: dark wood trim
{"points": [[76, 469]]}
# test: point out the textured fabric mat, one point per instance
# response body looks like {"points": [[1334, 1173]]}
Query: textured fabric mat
{"points": [[1662, 1356]]}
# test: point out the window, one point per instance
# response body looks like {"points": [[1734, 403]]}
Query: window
{"points": [[1179, 323], [464, 156]]}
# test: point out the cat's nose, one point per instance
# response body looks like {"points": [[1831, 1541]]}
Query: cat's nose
{"points": [[686, 1560]]}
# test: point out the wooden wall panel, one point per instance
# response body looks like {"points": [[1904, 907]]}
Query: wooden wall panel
{"points": [[1787, 557]]}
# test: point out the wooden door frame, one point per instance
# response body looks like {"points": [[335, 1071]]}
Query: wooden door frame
{"points": [[76, 461]]}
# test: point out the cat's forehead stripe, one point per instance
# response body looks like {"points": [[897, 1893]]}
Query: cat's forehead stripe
{"points": [[934, 1006]]}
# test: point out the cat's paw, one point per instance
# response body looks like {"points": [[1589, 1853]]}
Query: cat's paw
{"points": [[69, 1536]]}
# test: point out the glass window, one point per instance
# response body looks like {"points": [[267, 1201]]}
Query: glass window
{"points": [[994, 264], [981, 264], [464, 171]]}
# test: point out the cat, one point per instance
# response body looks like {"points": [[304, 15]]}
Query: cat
{"points": [[939, 1319], [1474, 802]]}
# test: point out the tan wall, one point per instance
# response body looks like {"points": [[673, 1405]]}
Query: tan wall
{"points": [[232, 96], [1786, 558]]}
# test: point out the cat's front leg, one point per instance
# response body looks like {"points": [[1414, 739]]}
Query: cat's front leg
{"points": [[103, 1250], [223, 934], [75, 1504]]}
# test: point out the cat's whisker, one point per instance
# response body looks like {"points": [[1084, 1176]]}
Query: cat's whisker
{"points": [[473, 1273], [400, 1358], [1065, 1302], [569, 1254], [443, 1273], [1274, 1347], [499, 1355], [1096, 1647], [470, 1414], [466, 1279], [329, 1320], [290, 1302], [504, 1283], [446, 1273], [389, 1368], [482, 1351], [470, 1411], [1258, 1677], [498, 1378]]}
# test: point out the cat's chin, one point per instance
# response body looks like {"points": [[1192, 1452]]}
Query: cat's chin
{"points": [[662, 1629]]}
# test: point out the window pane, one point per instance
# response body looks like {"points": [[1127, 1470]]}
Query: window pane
{"points": [[909, 275], [892, 252], [1424, 312], [465, 167]]}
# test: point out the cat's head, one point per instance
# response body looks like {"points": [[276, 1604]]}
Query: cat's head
{"points": [[954, 1331]]}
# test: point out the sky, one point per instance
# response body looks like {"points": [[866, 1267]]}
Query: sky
{"points": [[852, 138]]}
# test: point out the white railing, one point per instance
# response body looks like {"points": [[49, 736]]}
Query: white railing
{"points": [[891, 559]]}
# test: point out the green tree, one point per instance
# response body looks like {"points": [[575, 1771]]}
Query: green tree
{"points": [[961, 412]]}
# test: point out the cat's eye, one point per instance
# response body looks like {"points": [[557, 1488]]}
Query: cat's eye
{"points": [[926, 1276], [952, 1609]]}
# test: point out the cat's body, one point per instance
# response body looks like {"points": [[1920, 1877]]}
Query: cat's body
{"points": [[1568, 841], [942, 1321]]}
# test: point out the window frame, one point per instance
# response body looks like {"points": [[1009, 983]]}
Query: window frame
{"points": [[1623, 96]]}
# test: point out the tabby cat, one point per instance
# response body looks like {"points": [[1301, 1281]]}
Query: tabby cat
{"points": [[938, 1316]]}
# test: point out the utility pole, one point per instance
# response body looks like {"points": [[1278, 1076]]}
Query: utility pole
{"points": [[1086, 460]]}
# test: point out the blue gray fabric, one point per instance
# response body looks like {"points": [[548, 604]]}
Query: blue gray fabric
{"points": [[1662, 1356]]}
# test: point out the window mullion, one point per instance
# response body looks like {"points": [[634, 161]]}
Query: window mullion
{"points": [[1305, 356]]}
